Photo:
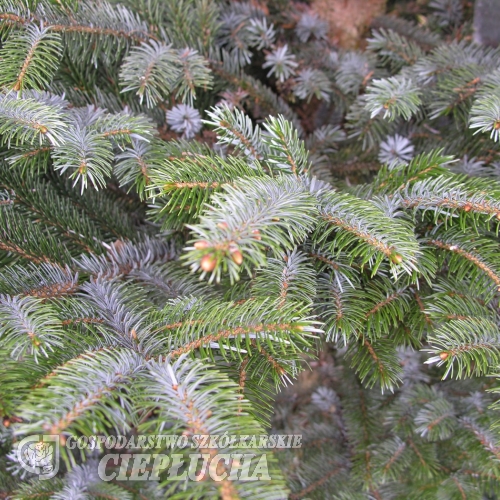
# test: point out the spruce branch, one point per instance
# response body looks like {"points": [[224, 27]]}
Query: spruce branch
{"points": [[234, 233], [342, 308], [30, 58], [302, 236], [311, 83], [421, 35], [436, 420], [445, 194], [361, 228], [29, 327], [123, 257], [396, 150], [43, 281], [87, 155], [33, 243], [448, 12], [43, 204], [281, 331], [184, 120], [285, 150], [475, 257], [26, 120], [289, 279], [466, 347], [281, 62], [261, 36], [180, 390], [235, 128], [194, 72], [311, 25], [421, 167], [181, 186], [150, 70], [394, 96], [485, 116], [258, 92], [354, 71], [394, 49], [375, 363], [108, 375]]}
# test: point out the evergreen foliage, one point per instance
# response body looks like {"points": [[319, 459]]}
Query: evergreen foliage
{"points": [[198, 198]]}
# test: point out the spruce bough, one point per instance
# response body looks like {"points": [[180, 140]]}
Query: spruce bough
{"points": [[179, 233]]}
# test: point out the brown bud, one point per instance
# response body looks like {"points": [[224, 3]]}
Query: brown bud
{"points": [[6, 422], [134, 334], [467, 207], [118, 244], [275, 219], [443, 355], [201, 245], [208, 263], [62, 440], [498, 215], [222, 225], [396, 258], [256, 234], [43, 129], [237, 257]]}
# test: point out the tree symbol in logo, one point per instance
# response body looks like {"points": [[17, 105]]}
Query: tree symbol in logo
{"points": [[41, 455]]}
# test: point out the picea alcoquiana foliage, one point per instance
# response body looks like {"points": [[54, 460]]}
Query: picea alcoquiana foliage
{"points": [[201, 198]]}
